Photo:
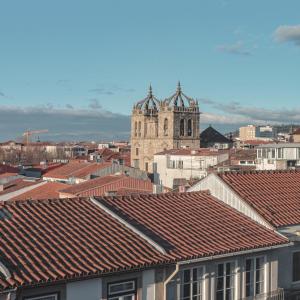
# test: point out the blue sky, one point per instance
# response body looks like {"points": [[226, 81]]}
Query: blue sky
{"points": [[240, 58]]}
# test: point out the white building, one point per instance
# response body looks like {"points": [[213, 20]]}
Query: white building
{"points": [[278, 156], [174, 164]]}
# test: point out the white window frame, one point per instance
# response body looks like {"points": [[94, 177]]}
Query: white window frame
{"points": [[55, 295], [234, 277], [201, 280], [254, 275], [124, 293]]}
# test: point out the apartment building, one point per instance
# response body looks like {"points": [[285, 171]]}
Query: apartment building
{"points": [[172, 165], [252, 132], [168, 246], [270, 198], [278, 156]]}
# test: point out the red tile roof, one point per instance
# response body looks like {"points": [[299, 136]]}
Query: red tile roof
{"points": [[192, 224], [99, 186], [75, 169], [297, 131], [275, 195], [54, 240], [16, 185], [49, 190]]}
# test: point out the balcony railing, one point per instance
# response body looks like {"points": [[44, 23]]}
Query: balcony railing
{"points": [[274, 295]]}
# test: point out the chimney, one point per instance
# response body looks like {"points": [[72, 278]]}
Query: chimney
{"points": [[1, 187]]}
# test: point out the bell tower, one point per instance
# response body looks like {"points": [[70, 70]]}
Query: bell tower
{"points": [[161, 125]]}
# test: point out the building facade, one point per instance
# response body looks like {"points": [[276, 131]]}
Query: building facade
{"points": [[278, 156], [160, 125]]}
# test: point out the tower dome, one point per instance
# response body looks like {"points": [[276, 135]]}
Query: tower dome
{"points": [[150, 103], [179, 99]]}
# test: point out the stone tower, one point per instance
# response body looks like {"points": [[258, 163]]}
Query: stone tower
{"points": [[160, 125]]}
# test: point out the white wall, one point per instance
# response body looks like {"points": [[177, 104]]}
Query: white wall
{"points": [[84, 290], [148, 285]]}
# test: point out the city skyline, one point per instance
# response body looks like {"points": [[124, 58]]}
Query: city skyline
{"points": [[71, 60]]}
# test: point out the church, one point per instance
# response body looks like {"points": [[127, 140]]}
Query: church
{"points": [[158, 125]]}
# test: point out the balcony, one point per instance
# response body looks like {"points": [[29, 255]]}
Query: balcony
{"points": [[274, 295]]}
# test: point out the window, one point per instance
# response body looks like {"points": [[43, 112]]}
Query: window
{"points": [[181, 127], [146, 167], [125, 290], [279, 153], [140, 128], [136, 151], [180, 164], [296, 266], [145, 129], [44, 297], [191, 284], [135, 128], [225, 281], [166, 127], [190, 129], [254, 281]]}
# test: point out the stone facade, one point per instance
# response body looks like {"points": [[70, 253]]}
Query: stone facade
{"points": [[161, 125]]}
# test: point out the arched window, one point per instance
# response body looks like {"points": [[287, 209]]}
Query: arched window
{"points": [[145, 129], [190, 127], [135, 128], [140, 128], [166, 127], [182, 127]]}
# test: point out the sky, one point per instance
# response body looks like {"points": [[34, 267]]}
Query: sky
{"points": [[76, 67]]}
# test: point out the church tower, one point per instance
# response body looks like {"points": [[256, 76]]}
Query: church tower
{"points": [[161, 125]]}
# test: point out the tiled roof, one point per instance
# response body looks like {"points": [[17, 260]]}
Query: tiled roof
{"points": [[275, 195], [297, 131], [191, 152], [114, 182], [191, 225], [16, 185], [75, 169], [243, 154], [49, 190], [54, 240]]}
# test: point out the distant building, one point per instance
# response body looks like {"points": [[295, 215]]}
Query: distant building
{"points": [[296, 136], [211, 138], [171, 166], [159, 125], [252, 132], [278, 156]]}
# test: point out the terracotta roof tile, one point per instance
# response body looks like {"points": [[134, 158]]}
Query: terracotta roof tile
{"points": [[275, 195], [49, 190], [16, 185], [192, 224], [53, 240]]}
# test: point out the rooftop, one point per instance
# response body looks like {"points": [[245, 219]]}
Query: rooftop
{"points": [[281, 145], [275, 195], [49, 190], [57, 240]]}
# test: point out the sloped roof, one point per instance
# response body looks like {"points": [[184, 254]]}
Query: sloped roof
{"points": [[49, 190], [56, 240], [211, 135], [275, 195], [192, 224]]}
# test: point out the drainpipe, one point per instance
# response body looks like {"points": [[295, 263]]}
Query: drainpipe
{"points": [[169, 279]]}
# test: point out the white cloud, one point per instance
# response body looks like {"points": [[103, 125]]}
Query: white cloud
{"points": [[285, 33], [236, 48]]}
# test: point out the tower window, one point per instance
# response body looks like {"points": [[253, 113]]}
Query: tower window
{"points": [[190, 129], [166, 127], [140, 128], [135, 128], [136, 151], [145, 130], [182, 127]]}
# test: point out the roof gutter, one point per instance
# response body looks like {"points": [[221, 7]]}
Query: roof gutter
{"points": [[201, 259]]}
